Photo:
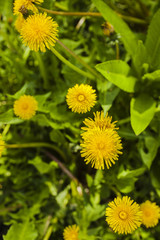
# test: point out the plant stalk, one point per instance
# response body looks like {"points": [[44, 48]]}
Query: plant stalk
{"points": [[93, 14], [73, 67]]}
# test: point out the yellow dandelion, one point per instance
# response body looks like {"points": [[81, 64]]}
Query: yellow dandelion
{"points": [[21, 6], [81, 98], [99, 121], [123, 216], [71, 232], [2, 145], [39, 32], [101, 146], [19, 22], [25, 107], [150, 213]]}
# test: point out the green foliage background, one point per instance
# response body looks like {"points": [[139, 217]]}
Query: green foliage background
{"points": [[37, 198]]}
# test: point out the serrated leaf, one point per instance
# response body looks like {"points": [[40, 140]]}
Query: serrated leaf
{"points": [[21, 231], [152, 76], [153, 41], [142, 111], [128, 37], [148, 150], [117, 72]]}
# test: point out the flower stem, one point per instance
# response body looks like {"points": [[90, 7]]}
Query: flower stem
{"points": [[65, 61], [49, 232], [42, 69], [80, 60], [93, 14], [35, 145]]}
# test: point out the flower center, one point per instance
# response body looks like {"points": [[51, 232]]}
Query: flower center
{"points": [[147, 213], [123, 215], [81, 97], [25, 106], [101, 145]]}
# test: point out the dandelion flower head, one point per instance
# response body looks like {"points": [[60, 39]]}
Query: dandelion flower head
{"points": [[150, 213], [99, 121], [19, 22], [123, 215], [2, 145], [81, 98], [21, 6], [39, 32], [101, 147], [25, 107], [71, 232]]}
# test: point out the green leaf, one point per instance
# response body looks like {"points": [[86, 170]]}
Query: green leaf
{"points": [[106, 98], [117, 71], [41, 166], [140, 57], [8, 118], [142, 111], [125, 185], [130, 173], [152, 76], [153, 41], [148, 150], [6, 8], [21, 231], [41, 99], [128, 37]]}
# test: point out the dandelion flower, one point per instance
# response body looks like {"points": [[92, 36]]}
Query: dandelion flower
{"points": [[123, 216], [101, 146], [71, 232], [150, 213], [2, 147], [19, 22], [99, 121], [81, 98], [25, 107], [39, 32], [21, 6]]}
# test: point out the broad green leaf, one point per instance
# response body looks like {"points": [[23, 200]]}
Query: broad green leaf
{"points": [[126, 185], [21, 231], [140, 57], [6, 8], [41, 166], [130, 173], [148, 150], [8, 118], [152, 76], [41, 99], [153, 41], [106, 98], [128, 37], [117, 71], [142, 111]]}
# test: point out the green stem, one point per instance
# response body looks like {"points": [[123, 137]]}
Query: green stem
{"points": [[92, 14], [36, 145], [80, 60], [116, 191], [42, 69], [117, 50], [65, 61], [49, 232], [123, 121], [6, 129]]}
